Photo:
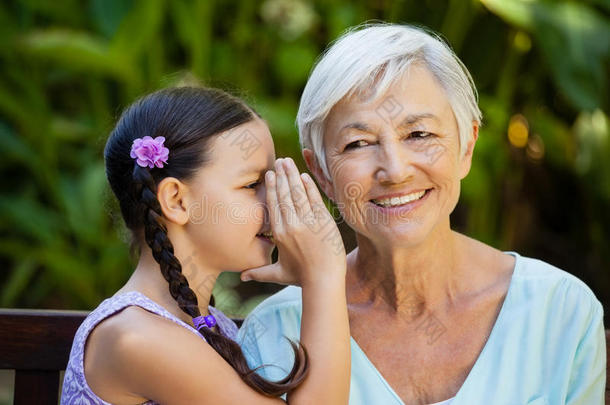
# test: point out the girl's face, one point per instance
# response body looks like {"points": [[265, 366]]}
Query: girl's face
{"points": [[227, 211]]}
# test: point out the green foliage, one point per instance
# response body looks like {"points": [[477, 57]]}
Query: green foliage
{"points": [[70, 66], [575, 40]]}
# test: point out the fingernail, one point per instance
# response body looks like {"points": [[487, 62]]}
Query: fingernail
{"points": [[245, 277]]}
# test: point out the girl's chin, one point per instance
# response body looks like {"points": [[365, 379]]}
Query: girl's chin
{"points": [[263, 261], [255, 260], [254, 257]]}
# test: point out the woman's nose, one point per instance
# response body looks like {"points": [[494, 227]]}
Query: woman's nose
{"points": [[395, 164]]}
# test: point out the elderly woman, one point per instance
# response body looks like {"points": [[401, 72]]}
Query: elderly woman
{"points": [[388, 122]]}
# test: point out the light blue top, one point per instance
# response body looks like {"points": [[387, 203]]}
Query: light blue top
{"points": [[547, 346]]}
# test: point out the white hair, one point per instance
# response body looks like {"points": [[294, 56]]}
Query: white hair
{"points": [[367, 60]]}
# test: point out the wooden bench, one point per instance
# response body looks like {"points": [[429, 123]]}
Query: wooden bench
{"points": [[36, 344]]}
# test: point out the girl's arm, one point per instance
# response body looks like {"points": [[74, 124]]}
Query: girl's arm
{"points": [[311, 254]]}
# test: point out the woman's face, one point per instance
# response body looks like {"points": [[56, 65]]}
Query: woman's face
{"points": [[394, 162], [227, 212]]}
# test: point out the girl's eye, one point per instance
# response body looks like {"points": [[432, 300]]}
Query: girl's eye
{"points": [[356, 144], [252, 186]]}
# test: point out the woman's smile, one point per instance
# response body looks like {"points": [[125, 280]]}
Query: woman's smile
{"points": [[400, 204]]}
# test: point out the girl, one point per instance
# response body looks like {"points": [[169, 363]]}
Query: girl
{"points": [[191, 168]]}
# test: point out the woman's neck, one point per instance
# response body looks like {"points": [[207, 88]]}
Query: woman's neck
{"points": [[405, 279], [148, 279]]}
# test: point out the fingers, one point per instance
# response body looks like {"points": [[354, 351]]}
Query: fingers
{"points": [[271, 273], [284, 198], [293, 198], [275, 217], [299, 196], [313, 194]]}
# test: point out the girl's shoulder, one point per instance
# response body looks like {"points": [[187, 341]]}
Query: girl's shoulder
{"points": [[113, 347], [122, 326], [129, 314], [140, 352], [137, 355]]}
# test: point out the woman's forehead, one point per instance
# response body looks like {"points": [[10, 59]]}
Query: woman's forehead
{"points": [[415, 86], [411, 99]]}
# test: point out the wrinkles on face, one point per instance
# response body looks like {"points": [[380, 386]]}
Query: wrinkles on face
{"points": [[373, 150]]}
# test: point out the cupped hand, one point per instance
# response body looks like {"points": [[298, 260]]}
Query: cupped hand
{"points": [[310, 249]]}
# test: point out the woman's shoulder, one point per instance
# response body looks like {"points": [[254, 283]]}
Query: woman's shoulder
{"points": [[286, 299], [265, 329], [541, 273], [280, 311], [543, 282]]}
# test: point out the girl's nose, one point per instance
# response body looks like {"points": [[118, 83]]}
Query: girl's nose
{"points": [[262, 198]]}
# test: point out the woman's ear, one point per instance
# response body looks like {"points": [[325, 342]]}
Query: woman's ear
{"points": [[171, 193], [314, 167], [466, 160]]}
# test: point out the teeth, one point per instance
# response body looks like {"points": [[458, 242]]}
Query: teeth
{"points": [[267, 234], [391, 202]]}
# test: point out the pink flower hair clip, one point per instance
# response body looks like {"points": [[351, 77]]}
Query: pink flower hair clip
{"points": [[149, 152]]}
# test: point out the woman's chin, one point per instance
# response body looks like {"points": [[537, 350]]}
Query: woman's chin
{"points": [[397, 235]]}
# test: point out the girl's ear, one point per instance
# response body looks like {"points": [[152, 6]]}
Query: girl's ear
{"points": [[171, 194], [466, 160], [314, 167]]}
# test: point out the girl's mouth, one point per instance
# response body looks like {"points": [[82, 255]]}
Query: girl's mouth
{"points": [[266, 236]]}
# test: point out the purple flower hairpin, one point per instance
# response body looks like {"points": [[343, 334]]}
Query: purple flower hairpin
{"points": [[149, 152], [204, 321]]}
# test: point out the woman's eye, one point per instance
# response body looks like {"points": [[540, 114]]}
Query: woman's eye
{"points": [[419, 134], [356, 144]]}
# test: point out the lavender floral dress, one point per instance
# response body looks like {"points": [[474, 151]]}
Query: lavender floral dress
{"points": [[75, 388]]}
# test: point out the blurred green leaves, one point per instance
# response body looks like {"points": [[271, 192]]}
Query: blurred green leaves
{"points": [[575, 40], [77, 52]]}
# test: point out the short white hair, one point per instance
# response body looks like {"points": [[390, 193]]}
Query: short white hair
{"points": [[368, 59]]}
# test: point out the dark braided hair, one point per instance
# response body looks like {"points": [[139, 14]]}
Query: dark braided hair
{"points": [[188, 118]]}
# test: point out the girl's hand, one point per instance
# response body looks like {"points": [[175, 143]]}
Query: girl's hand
{"points": [[308, 240]]}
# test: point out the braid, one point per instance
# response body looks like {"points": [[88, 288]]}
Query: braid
{"points": [[155, 233]]}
